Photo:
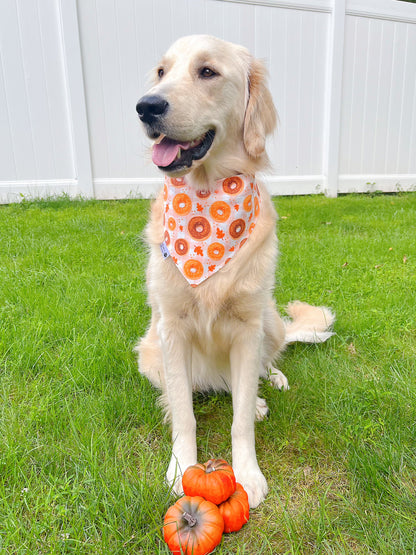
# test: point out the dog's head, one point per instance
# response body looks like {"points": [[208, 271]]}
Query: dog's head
{"points": [[209, 110]]}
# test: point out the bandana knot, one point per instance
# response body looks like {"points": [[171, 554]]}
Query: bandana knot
{"points": [[205, 229]]}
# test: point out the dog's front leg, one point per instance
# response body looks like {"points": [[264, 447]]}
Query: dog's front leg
{"points": [[177, 361], [245, 363]]}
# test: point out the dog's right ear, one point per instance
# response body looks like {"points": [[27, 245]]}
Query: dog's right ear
{"points": [[261, 116]]}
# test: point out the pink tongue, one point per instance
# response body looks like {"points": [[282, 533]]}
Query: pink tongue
{"points": [[166, 151]]}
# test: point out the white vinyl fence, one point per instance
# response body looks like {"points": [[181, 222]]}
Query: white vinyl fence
{"points": [[342, 74]]}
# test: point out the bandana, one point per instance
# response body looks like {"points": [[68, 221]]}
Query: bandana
{"points": [[204, 229]]}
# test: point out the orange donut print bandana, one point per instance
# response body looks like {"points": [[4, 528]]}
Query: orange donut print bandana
{"points": [[203, 229]]}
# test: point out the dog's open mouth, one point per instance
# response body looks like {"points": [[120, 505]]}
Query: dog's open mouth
{"points": [[171, 155]]}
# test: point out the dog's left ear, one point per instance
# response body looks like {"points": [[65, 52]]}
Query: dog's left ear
{"points": [[260, 117]]}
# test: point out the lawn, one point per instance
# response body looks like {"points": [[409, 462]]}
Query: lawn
{"points": [[83, 446]]}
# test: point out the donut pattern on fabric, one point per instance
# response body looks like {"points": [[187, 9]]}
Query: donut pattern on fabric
{"points": [[204, 229]]}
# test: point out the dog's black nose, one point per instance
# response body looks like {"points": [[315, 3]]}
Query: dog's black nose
{"points": [[151, 107]]}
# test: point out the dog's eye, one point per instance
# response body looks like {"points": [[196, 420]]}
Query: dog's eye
{"points": [[160, 72], [207, 73]]}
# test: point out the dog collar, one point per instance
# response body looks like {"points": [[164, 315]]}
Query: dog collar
{"points": [[203, 230]]}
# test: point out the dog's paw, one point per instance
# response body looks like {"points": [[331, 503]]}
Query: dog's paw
{"points": [[174, 478], [179, 462], [254, 484], [174, 473], [262, 410], [278, 379], [175, 485]]}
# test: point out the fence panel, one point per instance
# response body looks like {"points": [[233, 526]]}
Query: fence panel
{"points": [[378, 141], [342, 74], [35, 136]]}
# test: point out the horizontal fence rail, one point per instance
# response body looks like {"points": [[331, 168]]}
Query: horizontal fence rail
{"points": [[342, 75]]}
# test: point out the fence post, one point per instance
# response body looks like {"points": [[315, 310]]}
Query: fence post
{"points": [[77, 108], [333, 102]]}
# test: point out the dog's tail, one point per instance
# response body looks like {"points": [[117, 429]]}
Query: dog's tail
{"points": [[309, 324]]}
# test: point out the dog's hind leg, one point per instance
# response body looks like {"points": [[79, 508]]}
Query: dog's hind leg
{"points": [[262, 410], [278, 379], [273, 345]]}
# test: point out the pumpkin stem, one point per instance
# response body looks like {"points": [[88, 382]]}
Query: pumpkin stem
{"points": [[190, 520], [210, 466]]}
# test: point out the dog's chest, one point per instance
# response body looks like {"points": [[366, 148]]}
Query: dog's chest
{"points": [[213, 326]]}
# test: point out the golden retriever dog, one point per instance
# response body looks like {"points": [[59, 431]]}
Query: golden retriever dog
{"points": [[214, 325]]}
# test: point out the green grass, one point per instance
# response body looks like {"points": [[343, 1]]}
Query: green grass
{"points": [[83, 447]]}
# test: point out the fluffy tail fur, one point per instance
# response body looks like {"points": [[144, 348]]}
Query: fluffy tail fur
{"points": [[309, 324]]}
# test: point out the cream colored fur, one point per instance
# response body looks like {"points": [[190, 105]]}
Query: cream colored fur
{"points": [[226, 332]]}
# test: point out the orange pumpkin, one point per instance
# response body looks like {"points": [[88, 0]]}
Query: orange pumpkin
{"points": [[235, 511], [193, 526], [214, 480]]}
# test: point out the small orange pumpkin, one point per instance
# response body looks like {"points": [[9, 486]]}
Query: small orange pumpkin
{"points": [[192, 526], [235, 510], [214, 480]]}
